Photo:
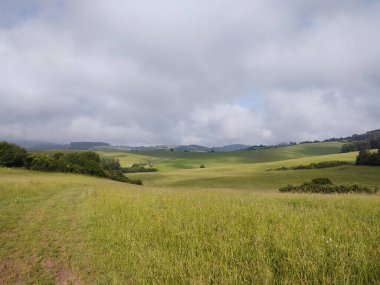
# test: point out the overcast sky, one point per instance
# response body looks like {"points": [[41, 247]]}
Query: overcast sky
{"points": [[188, 72]]}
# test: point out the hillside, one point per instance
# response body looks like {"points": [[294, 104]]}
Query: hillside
{"points": [[186, 160]]}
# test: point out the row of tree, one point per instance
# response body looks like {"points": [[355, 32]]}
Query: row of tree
{"points": [[360, 145], [87, 162]]}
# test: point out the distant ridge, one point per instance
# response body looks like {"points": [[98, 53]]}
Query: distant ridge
{"points": [[42, 145], [86, 145]]}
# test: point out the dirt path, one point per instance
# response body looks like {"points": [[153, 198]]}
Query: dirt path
{"points": [[39, 249]]}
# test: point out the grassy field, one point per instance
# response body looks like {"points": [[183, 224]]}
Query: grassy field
{"points": [[248, 169], [71, 229], [165, 160], [224, 224]]}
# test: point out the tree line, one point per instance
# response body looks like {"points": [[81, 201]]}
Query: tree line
{"points": [[86, 162], [361, 145]]}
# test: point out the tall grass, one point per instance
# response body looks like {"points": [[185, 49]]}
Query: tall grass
{"points": [[105, 232], [224, 237]]}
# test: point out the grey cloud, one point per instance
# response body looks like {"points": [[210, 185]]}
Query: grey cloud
{"points": [[173, 72]]}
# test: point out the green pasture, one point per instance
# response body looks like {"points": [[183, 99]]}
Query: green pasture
{"points": [[248, 169], [167, 160]]}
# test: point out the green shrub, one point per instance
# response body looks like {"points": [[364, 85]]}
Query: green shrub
{"points": [[41, 162], [325, 186], [136, 169], [87, 162], [110, 164], [319, 165], [356, 146], [12, 155], [368, 158], [135, 181], [322, 181]]}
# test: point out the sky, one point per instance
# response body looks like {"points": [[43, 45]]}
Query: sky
{"points": [[210, 72]]}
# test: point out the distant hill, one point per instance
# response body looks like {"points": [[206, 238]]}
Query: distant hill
{"points": [[24, 143], [86, 145], [102, 146], [232, 147], [177, 148], [194, 148]]}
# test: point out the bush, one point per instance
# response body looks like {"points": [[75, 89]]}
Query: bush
{"points": [[368, 158], [40, 162], [110, 164], [325, 186], [319, 165], [322, 181], [356, 146], [12, 155], [135, 181], [135, 169], [202, 166], [87, 162]]}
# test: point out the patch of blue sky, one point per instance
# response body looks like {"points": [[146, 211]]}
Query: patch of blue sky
{"points": [[14, 12], [252, 100]]}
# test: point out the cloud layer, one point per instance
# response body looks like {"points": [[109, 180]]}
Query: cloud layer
{"points": [[205, 72]]}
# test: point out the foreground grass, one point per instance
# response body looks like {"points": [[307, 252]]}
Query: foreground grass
{"points": [[62, 228]]}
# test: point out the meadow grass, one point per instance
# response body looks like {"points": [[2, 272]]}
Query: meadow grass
{"points": [[65, 228], [167, 160], [256, 176]]}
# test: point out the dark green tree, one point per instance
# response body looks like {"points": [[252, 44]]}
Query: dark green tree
{"points": [[12, 155]]}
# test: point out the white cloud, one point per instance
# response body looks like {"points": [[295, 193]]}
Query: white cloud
{"points": [[173, 72]]}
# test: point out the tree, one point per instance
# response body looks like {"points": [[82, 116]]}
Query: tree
{"points": [[368, 158], [356, 146], [40, 162], [110, 164], [12, 155]]}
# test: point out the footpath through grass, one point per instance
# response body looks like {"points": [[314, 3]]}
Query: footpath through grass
{"points": [[62, 228]]}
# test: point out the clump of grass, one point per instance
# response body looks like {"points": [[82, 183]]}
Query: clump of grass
{"points": [[325, 186]]}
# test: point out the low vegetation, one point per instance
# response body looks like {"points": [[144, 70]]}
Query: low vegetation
{"points": [[325, 186], [138, 167], [11, 155], [360, 145], [318, 165], [368, 158], [356, 146], [86, 162]]}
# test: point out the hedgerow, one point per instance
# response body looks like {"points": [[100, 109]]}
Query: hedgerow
{"points": [[325, 186]]}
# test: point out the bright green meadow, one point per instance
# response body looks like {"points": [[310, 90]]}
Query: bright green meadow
{"points": [[223, 224]]}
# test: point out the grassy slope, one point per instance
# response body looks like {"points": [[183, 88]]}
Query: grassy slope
{"points": [[255, 177], [64, 228], [166, 161], [248, 169]]}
